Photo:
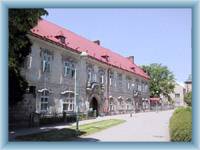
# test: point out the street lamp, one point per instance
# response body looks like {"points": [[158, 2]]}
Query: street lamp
{"points": [[83, 54], [156, 103], [75, 103]]}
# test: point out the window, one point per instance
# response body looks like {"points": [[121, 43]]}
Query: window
{"points": [[69, 69], [68, 102], [89, 75], [111, 79], [44, 100], [119, 78], [128, 85], [177, 95], [128, 81], [111, 106], [46, 62], [95, 77], [66, 68], [136, 84], [102, 79], [101, 76], [142, 87]]}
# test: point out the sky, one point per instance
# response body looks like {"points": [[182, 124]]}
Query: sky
{"points": [[150, 35]]}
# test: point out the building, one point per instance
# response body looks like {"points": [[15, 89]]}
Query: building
{"points": [[178, 95], [106, 82], [188, 84]]}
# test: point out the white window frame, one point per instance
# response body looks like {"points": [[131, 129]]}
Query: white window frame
{"points": [[89, 75], [45, 95], [111, 105], [128, 85], [102, 78], [69, 69], [111, 78], [119, 80], [69, 100], [46, 62]]}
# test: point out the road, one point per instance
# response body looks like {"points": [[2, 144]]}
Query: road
{"points": [[143, 127]]}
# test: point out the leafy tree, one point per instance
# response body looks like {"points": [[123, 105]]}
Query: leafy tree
{"points": [[161, 80], [188, 98], [20, 23]]}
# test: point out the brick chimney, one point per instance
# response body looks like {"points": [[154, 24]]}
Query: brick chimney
{"points": [[97, 42], [131, 58]]}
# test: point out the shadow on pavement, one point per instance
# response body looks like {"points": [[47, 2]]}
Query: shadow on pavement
{"points": [[65, 134]]}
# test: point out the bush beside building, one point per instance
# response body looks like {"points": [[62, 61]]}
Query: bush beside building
{"points": [[181, 125]]}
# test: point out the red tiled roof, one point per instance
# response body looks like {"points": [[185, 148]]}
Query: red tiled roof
{"points": [[47, 31]]}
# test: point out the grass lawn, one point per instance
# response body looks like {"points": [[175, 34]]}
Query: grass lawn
{"points": [[68, 134]]}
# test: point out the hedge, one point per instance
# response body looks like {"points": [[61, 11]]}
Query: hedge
{"points": [[181, 125]]}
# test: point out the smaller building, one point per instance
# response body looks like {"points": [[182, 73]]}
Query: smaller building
{"points": [[178, 95]]}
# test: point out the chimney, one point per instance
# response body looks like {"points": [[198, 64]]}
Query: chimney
{"points": [[131, 58], [97, 42]]}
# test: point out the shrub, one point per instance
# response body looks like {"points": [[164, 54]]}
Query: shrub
{"points": [[181, 125], [82, 116], [50, 120], [45, 120]]}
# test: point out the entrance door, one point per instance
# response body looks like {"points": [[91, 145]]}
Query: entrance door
{"points": [[94, 105]]}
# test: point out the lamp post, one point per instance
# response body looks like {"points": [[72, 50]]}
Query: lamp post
{"points": [[157, 103], [75, 103], [83, 54]]}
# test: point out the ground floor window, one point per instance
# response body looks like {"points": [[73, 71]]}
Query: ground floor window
{"points": [[44, 100], [68, 102], [111, 106]]}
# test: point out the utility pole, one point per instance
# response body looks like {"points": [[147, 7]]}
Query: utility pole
{"points": [[76, 104]]}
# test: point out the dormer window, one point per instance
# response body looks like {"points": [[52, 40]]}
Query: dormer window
{"points": [[106, 57], [133, 68], [61, 38]]}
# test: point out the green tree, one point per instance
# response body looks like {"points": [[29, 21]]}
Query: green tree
{"points": [[188, 98], [161, 80], [20, 23]]}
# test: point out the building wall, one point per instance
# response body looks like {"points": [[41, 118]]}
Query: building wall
{"points": [[188, 87], [178, 95], [112, 99]]}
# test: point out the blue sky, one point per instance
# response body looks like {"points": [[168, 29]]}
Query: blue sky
{"points": [[151, 35]]}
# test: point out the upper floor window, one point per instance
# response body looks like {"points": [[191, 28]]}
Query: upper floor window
{"points": [[142, 87], [128, 82], [101, 76], [69, 69], [177, 95], [28, 62], [46, 61], [111, 79], [89, 73], [146, 87], [119, 79], [137, 85]]}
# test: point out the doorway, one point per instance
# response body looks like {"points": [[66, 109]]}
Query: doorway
{"points": [[94, 106]]}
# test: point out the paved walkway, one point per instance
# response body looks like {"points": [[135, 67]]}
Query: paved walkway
{"points": [[144, 127], [147, 126]]}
